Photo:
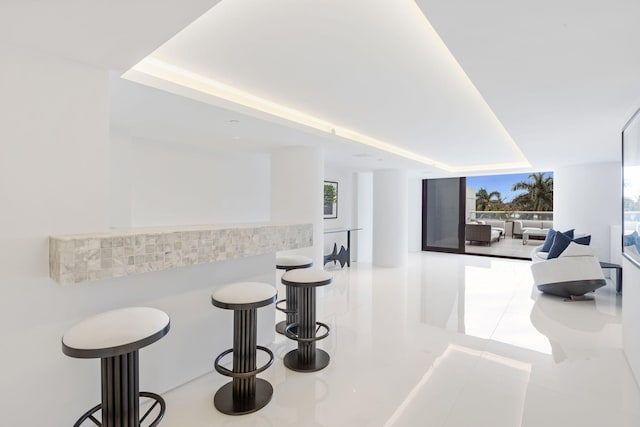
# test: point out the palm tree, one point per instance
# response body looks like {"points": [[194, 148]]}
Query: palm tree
{"points": [[539, 195], [483, 199]]}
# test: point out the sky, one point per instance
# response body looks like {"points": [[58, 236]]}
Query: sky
{"points": [[500, 183]]}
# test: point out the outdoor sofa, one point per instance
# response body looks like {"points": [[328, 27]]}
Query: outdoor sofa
{"points": [[483, 233], [521, 225]]}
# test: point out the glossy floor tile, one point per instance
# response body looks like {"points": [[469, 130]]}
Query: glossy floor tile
{"points": [[448, 341]]}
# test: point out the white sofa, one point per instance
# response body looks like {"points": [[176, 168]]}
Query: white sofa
{"points": [[520, 225], [574, 273], [496, 224], [482, 233]]}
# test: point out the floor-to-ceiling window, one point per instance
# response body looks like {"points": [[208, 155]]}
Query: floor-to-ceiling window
{"points": [[443, 213], [498, 215]]}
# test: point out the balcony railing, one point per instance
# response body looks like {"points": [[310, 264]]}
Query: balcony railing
{"points": [[515, 215]]}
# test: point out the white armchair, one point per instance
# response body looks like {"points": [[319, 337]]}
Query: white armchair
{"points": [[574, 273]]}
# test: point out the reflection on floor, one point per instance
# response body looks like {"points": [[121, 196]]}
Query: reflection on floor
{"points": [[449, 341], [504, 247]]}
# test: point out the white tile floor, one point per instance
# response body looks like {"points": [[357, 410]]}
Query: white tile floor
{"points": [[449, 341]]}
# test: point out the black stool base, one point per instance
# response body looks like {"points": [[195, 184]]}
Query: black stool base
{"points": [[321, 361], [223, 400], [157, 400]]}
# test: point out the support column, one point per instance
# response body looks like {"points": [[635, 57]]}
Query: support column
{"points": [[390, 218], [297, 175]]}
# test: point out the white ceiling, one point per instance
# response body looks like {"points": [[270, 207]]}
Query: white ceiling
{"points": [[113, 34], [562, 77]]}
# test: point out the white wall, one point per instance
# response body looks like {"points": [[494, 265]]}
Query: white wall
{"points": [[121, 180], [415, 214], [55, 178], [177, 183], [364, 215], [588, 198], [297, 174], [390, 217]]}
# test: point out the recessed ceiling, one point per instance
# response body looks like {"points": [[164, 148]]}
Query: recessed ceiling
{"points": [[151, 114], [375, 73], [561, 77]]}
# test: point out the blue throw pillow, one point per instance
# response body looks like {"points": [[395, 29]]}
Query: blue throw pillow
{"points": [[560, 243], [548, 241], [584, 240], [629, 239]]}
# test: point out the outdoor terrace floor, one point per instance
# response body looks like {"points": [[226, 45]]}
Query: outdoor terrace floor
{"points": [[508, 246]]}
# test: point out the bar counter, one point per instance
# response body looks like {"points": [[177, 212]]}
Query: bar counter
{"points": [[122, 252]]}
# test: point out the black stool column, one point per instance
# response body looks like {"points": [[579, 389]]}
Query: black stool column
{"points": [[288, 263], [120, 389], [307, 328], [93, 338], [245, 393], [306, 358], [245, 341]]}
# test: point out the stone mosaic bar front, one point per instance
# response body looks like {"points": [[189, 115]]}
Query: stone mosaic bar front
{"points": [[85, 257]]}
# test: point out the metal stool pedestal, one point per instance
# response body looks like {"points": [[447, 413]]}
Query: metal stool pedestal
{"points": [[245, 393], [306, 358], [288, 263], [93, 338]]}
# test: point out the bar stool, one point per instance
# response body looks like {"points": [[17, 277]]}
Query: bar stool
{"points": [[306, 358], [290, 262], [115, 337], [245, 393]]}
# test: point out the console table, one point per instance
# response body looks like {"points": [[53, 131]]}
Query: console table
{"points": [[344, 255], [618, 269]]}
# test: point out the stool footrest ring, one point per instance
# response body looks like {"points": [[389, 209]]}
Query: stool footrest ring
{"points": [[284, 310], [296, 337], [89, 415], [229, 373]]}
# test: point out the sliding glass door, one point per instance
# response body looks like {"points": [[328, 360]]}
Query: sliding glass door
{"points": [[443, 214]]}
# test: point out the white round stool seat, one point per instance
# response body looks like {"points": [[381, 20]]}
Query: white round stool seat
{"points": [[306, 277], [293, 261], [115, 332], [243, 295]]}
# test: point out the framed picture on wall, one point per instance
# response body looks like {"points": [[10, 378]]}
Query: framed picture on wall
{"points": [[330, 199]]}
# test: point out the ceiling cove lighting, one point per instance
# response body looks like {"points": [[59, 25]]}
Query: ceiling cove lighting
{"points": [[157, 69], [433, 35], [171, 73]]}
